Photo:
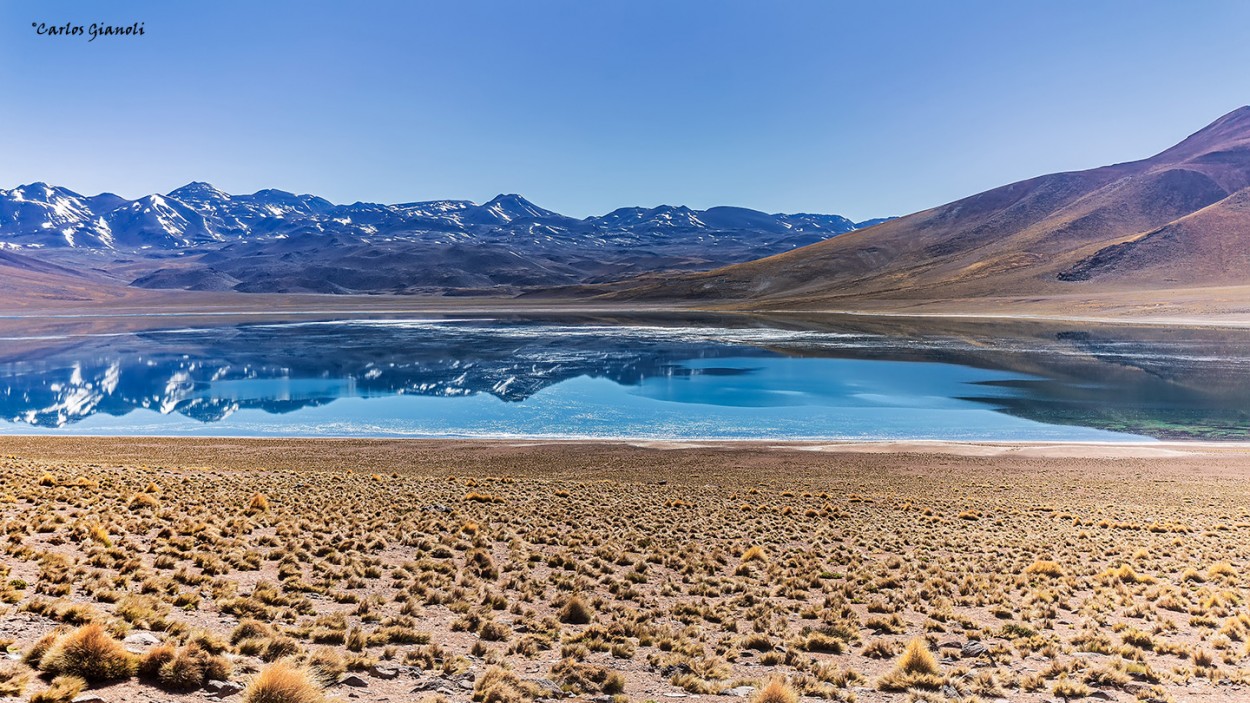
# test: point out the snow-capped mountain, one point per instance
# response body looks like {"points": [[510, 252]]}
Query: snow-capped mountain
{"points": [[160, 222], [506, 209], [276, 241], [40, 216]]}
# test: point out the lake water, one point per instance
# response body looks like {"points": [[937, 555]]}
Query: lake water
{"points": [[652, 377]]}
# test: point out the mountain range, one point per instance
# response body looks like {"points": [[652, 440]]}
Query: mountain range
{"points": [[1132, 237], [198, 237], [1179, 220]]}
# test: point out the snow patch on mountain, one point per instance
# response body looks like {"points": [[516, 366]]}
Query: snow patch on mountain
{"points": [[197, 215]]}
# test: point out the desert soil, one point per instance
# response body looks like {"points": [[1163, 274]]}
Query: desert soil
{"points": [[703, 570]]}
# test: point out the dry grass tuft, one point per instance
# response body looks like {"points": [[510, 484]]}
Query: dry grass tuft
{"points": [[63, 690], [283, 682], [915, 668], [1049, 569], [754, 553], [498, 685], [143, 501], [777, 690], [90, 653], [258, 504], [13, 679], [576, 611], [1068, 689]]}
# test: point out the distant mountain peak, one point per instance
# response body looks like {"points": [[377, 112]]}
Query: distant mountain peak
{"points": [[198, 185], [198, 189], [273, 193], [512, 200], [37, 190], [507, 207]]}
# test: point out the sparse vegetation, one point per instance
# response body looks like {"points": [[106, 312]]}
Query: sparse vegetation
{"points": [[789, 582]]}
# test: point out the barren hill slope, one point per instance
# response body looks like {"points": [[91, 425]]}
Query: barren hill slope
{"points": [[1177, 219], [29, 282]]}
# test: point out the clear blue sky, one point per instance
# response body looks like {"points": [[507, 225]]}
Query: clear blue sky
{"points": [[860, 108]]}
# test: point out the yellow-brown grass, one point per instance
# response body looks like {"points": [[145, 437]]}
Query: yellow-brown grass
{"points": [[916, 668], [90, 653], [283, 682], [777, 690], [62, 690]]}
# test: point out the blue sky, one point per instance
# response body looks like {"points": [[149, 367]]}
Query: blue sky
{"points": [[858, 108]]}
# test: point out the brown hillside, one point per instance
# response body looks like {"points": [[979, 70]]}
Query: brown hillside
{"points": [[28, 281], [1034, 237]]}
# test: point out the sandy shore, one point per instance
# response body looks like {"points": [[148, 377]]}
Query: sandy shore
{"points": [[580, 456], [1206, 307]]}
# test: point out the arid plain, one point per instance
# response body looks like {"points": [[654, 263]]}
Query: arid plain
{"points": [[506, 572]]}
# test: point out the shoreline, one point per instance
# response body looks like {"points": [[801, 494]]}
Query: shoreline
{"points": [[131, 449], [1188, 312], [1187, 322]]}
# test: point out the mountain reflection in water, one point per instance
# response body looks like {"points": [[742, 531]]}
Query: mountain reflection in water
{"points": [[851, 375]]}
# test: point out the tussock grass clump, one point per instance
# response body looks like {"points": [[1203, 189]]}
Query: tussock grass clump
{"points": [[90, 653], [498, 685], [576, 611], [327, 664], [1126, 574], [915, 668], [1221, 569], [581, 678], [155, 658], [821, 642], [1047, 568], [186, 669], [13, 679], [480, 563], [258, 504], [63, 690], [754, 553], [100, 534], [283, 682], [879, 649], [1068, 689], [777, 690], [143, 501]]}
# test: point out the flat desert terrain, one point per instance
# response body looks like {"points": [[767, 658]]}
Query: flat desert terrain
{"points": [[297, 570]]}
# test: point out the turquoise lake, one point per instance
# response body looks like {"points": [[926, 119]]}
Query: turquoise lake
{"points": [[710, 378]]}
